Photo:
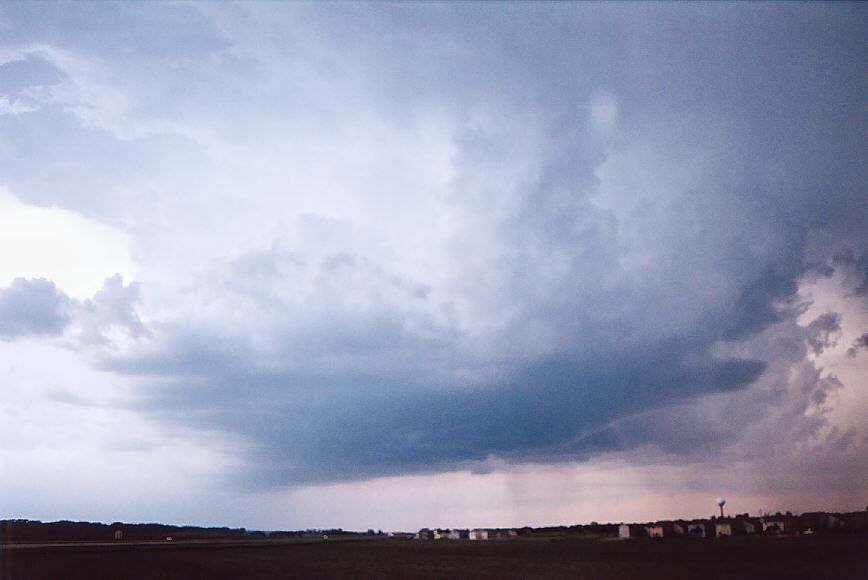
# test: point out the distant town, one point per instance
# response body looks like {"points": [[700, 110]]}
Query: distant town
{"points": [[713, 527], [20, 531]]}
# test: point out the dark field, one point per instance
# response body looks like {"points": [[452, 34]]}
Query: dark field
{"points": [[799, 557]]}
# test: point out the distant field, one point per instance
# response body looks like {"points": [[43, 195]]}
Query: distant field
{"points": [[835, 557]]}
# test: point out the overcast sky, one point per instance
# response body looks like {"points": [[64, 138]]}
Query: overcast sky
{"points": [[403, 265]]}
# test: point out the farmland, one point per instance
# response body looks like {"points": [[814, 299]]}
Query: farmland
{"points": [[833, 556]]}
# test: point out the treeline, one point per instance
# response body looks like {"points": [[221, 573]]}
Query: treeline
{"points": [[19, 530], [36, 531]]}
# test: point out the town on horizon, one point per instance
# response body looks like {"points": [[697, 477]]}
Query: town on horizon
{"points": [[714, 526]]}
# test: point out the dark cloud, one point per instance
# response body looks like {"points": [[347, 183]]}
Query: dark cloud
{"points": [[756, 426], [31, 307], [553, 411], [379, 388], [855, 269], [822, 332], [860, 343]]}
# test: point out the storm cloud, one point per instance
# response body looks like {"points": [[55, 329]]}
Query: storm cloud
{"points": [[430, 235]]}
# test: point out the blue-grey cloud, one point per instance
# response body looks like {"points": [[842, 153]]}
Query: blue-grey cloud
{"points": [[114, 306], [860, 343], [33, 307], [625, 191], [37, 307]]}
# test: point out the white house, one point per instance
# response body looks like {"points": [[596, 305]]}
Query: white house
{"points": [[699, 529], [626, 531]]}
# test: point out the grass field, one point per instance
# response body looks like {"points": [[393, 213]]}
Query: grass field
{"points": [[836, 557]]}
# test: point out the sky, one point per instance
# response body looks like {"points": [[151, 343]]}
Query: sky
{"points": [[394, 265]]}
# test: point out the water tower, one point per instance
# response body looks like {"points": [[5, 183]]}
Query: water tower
{"points": [[721, 502]]}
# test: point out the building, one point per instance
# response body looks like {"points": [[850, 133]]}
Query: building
{"points": [[854, 521], [664, 529], [423, 534], [700, 529], [819, 522], [779, 524], [627, 531], [478, 534], [733, 527]]}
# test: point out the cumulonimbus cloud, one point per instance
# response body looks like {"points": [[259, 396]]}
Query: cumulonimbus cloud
{"points": [[578, 269]]}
